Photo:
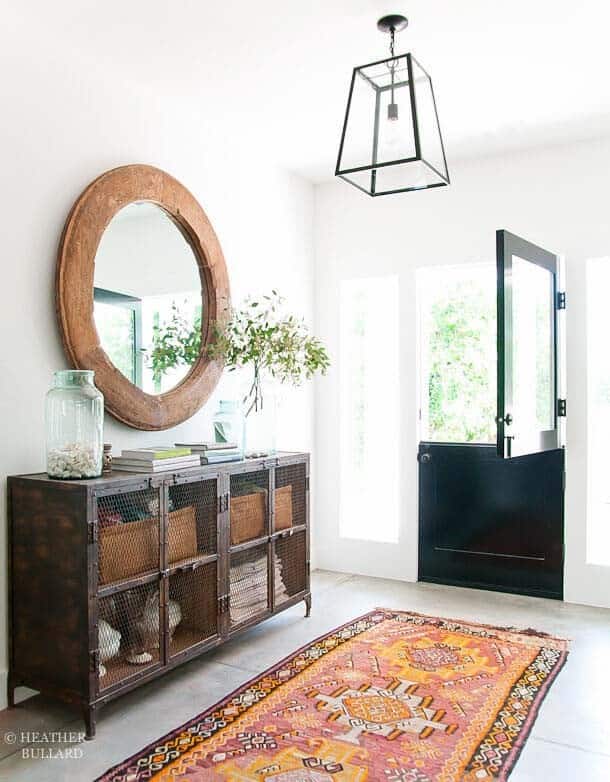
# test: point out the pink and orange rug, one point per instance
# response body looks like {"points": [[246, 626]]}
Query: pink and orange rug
{"points": [[392, 697]]}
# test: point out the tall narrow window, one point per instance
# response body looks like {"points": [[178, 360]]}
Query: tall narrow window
{"points": [[457, 353], [369, 405], [598, 412]]}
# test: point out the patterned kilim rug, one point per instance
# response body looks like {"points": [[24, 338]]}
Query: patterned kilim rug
{"points": [[392, 697]]}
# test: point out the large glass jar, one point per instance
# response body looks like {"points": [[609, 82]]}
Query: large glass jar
{"points": [[229, 423], [75, 424]]}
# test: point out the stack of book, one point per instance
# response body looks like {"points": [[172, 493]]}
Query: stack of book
{"points": [[213, 453], [155, 459], [249, 588]]}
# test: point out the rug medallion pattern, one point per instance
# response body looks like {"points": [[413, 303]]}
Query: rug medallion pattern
{"points": [[389, 697]]}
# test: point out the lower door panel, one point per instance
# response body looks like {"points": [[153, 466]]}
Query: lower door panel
{"points": [[490, 522]]}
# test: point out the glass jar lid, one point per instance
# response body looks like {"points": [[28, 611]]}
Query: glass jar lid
{"points": [[73, 377]]}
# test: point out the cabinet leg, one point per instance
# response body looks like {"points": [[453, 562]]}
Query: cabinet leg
{"points": [[10, 692], [308, 606], [90, 715]]}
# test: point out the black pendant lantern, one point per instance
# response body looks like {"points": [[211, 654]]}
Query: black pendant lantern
{"points": [[391, 140]]}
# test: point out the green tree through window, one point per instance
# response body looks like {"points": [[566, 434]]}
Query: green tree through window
{"points": [[459, 354]]}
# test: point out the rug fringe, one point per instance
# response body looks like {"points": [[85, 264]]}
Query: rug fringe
{"points": [[528, 631]]}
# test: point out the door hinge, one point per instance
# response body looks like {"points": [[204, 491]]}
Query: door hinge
{"points": [[93, 531], [561, 408], [561, 300], [223, 604], [94, 660], [307, 483], [223, 503]]}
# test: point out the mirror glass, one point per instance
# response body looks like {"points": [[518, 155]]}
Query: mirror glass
{"points": [[148, 298]]}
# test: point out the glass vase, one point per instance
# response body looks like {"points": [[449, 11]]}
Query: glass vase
{"points": [[228, 423], [74, 426], [261, 426]]}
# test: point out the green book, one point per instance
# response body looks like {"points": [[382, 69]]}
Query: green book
{"points": [[155, 452]]}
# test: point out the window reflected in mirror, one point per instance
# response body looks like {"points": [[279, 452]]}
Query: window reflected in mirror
{"points": [[148, 298], [118, 319]]}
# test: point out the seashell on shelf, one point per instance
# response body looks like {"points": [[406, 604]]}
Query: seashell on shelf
{"points": [[109, 641], [139, 659]]}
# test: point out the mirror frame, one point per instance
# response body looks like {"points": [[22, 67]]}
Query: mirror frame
{"points": [[87, 221]]}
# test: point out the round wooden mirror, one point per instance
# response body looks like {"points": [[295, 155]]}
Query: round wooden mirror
{"points": [[141, 278]]}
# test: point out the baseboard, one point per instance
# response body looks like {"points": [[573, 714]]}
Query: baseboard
{"points": [[3, 681], [402, 573], [21, 693]]}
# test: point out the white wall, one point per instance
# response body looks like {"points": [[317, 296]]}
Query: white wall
{"points": [[142, 253], [64, 123], [556, 197]]}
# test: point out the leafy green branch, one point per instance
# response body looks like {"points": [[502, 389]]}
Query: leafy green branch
{"points": [[260, 336]]}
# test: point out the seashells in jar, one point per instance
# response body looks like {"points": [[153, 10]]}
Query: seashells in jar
{"points": [[72, 461]]}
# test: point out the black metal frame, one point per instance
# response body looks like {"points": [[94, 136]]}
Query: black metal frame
{"points": [[343, 173], [507, 245]]}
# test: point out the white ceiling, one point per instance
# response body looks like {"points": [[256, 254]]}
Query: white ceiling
{"points": [[506, 75]]}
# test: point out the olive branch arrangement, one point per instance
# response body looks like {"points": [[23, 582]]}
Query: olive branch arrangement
{"points": [[259, 335]]}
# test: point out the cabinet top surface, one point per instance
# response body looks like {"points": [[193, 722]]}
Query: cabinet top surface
{"points": [[116, 476]]}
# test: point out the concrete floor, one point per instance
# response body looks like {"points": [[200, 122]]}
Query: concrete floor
{"points": [[570, 740]]}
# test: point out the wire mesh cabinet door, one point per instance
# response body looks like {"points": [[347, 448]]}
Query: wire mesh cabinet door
{"points": [[290, 555], [130, 637], [249, 577], [128, 524], [128, 642], [192, 592]]}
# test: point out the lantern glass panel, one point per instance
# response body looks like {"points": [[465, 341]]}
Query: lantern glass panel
{"points": [[416, 175], [396, 139], [360, 127], [361, 179], [427, 121]]}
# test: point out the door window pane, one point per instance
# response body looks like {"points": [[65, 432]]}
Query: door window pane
{"points": [[533, 344], [598, 412], [369, 409], [457, 356]]}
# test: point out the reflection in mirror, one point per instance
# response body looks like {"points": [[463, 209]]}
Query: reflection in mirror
{"points": [[148, 302]]}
